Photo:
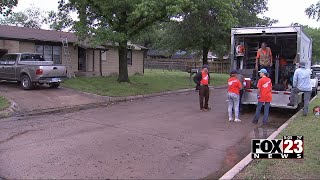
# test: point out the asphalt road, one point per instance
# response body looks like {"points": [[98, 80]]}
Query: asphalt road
{"points": [[155, 138]]}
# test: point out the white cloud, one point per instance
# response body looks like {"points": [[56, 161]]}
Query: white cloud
{"points": [[45, 5]]}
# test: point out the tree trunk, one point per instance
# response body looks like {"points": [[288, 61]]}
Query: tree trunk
{"points": [[205, 51], [123, 64]]}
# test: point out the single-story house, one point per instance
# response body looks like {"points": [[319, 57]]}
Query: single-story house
{"points": [[98, 61]]}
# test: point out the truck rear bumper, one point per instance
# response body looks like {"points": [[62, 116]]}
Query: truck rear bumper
{"points": [[274, 105], [280, 99], [51, 80]]}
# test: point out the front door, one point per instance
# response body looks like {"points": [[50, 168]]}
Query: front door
{"points": [[82, 59]]}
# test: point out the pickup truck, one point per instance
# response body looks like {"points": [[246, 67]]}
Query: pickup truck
{"points": [[31, 69]]}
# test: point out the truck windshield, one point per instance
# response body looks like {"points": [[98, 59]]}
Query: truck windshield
{"points": [[31, 57]]}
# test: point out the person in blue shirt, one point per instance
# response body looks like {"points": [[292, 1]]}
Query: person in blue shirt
{"points": [[301, 83]]}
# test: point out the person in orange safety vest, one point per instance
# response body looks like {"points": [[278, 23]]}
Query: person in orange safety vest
{"points": [[202, 79]]}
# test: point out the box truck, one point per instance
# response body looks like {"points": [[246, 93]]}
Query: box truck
{"points": [[290, 44]]}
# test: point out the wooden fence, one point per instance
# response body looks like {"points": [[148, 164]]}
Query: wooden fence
{"points": [[186, 65]]}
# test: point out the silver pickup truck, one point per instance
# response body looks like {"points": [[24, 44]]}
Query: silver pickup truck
{"points": [[31, 69]]}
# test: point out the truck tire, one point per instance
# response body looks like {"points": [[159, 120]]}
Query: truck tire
{"points": [[26, 82], [54, 85]]}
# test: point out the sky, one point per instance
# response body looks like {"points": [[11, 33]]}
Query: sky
{"points": [[286, 11]]}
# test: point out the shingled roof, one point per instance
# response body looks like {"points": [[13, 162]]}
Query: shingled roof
{"points": [[31, 34], [15, 32]]}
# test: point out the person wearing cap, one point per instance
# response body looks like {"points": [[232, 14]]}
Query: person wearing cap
{"points": [[233, 95], [301, 83], [203, 79], [264, 96]]}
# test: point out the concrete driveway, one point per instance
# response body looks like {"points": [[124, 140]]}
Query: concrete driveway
{"points": [[156, 138], [43, 97]]}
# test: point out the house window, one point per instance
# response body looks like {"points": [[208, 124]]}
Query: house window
{"points": [[103, 55], [56, 54], [50, 53], [129, 56]]}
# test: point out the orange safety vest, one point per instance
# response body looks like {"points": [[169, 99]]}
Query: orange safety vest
{"points": [[204, 78], [265, 58]]}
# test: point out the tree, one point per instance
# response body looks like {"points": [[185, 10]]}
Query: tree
{"points": [[248, 11], [58, 20], [204, 27], [313, 11], [31, 18], [102, 21], [6, 6], [201, 30], [314, 33]]}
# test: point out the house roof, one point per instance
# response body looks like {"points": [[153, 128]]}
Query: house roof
{"points": [[157, 53], [184, 55], [15, 32], [24, 33]]}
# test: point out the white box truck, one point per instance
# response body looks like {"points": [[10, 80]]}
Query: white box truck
{"points": [[289, 43]]}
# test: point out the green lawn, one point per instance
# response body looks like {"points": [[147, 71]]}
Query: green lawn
{"points": [[152, 81], [307, 168], [4, 103]]}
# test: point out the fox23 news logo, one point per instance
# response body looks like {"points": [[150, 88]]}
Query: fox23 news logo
{"points": [[289, 147]]}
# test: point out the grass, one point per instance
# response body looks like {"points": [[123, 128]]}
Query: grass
{"points": [[307, 168], [153, 81], [4, 103]]}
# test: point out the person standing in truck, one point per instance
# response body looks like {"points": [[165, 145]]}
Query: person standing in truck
{"points": [[203, 79], [264, 58], [264, 96], [301, 83]]}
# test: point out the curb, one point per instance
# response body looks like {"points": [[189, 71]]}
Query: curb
{"points": [[126, 98], [245, 161]]}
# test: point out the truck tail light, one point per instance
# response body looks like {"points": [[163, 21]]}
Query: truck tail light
{"points": [[39, 72]]}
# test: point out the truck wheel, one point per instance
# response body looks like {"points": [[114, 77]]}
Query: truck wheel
{"points": [[54, 85], [26, 82]]}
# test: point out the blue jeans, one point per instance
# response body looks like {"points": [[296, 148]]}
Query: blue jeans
{"points": [[265, 114], [306, 99], [233, 103]]}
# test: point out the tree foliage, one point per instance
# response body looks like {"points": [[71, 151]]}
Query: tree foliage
{"points": [[6, 6], [31, 18], [103, 21], [313, 11], [314, 33], [248, 11], [58, 20], [202, 28], [199, 29]]}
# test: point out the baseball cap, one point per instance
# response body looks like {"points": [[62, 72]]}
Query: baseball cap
{"points": [[233, 71], [205, 66], [302, 64], [263, 71]]}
